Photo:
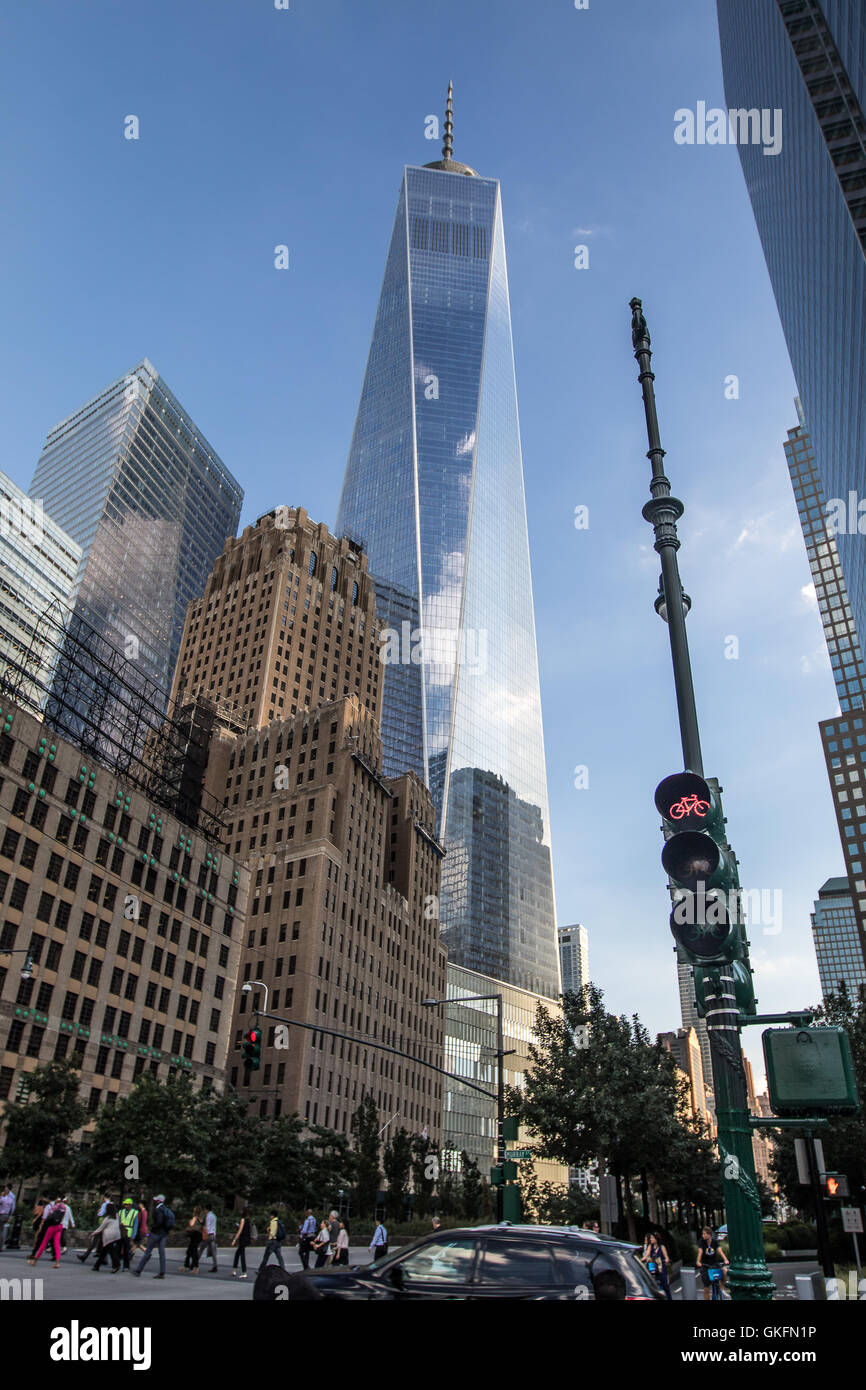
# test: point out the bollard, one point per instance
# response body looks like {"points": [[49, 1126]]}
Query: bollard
{"points": [[689, 1282], [811, 1286]]}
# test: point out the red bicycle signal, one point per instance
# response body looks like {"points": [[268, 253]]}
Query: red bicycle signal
{"points": [[690, 805]]}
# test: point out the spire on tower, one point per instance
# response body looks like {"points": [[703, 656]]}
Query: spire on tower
{"points": [[448, 142]]}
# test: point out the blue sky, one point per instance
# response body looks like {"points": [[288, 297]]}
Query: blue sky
{"points": [[261, 127]]}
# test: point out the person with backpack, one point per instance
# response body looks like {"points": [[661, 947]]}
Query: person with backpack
{"points": [[128, 1221], [274, 1242], [163, 1223], [52, 1226]]}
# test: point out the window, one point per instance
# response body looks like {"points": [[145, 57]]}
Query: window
{"points": [[441, 1262], [510, 1262]]}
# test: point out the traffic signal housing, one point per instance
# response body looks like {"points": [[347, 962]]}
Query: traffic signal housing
{"points": [[252, 1049], [702, 870], [834, 1185]]}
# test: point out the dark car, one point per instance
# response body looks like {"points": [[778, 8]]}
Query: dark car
{"points": [[558, 1263]]}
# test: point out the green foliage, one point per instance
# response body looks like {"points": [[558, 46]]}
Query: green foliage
{"points": [[397, 1163], [365, 1133], [425, 1171], [39, 1129], [331, 1166], [471, 1189], [619, 1097]]}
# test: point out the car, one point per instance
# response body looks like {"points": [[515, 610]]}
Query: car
{"points": [[550, 1263]]}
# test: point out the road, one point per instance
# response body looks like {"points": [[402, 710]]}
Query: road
{"points": [[75, 1282]]}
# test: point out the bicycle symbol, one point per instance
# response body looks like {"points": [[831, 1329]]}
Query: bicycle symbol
{"points": [[689, 806]]}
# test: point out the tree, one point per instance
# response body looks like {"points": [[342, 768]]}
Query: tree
{"points": [[150, 1140], [397, 1163], [425, 1171], [231, 1140], [330, 1166], [39, 1129], [284, 1171], [365, 1133], [597, 1087], [471, 1193]]}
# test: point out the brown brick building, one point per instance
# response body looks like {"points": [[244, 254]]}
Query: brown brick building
{"points": [[342, 923], [133, 921]]}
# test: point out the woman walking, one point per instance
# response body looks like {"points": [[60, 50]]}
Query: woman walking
{"points": [[341, 1254], [51, 1228], [322, 1244], [107, 1237], [38, 1223], [241, 1238], [194, 1234]]}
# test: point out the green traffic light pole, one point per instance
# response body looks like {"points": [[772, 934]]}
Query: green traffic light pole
{"points": [[749, 1276]]}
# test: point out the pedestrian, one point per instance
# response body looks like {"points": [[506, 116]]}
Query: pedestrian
{"points": [[51, 1228], [68, 1225], [341, 1255], [591, 1226], [209, 1239], [322, 1243], [655, 1257], [142, 1232], [379, 1244], [436, 1223], [333, 1231], [128, 1220], [7, 1211], [306, 1236], [39, 1207], [710, 1257], [194, 1230], [91, 1245], [241, 1238], [274, 1243], [163, 1222], [108, 1240]]}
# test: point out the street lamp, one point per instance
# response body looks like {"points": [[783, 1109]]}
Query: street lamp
{"points": [[27, 967], [246, 988], [500, 1080], [661, 603]]}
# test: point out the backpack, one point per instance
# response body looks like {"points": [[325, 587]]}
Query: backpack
{"points": [[56, 1215], [281, 1230], [168, 1221]]}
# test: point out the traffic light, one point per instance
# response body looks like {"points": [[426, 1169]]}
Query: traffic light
{"points": [[702, 870], [252, 1049], [834, 1184]]}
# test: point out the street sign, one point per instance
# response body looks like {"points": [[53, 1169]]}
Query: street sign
{"points": [[852, 1220], [810, 1069], [516, 1155]]}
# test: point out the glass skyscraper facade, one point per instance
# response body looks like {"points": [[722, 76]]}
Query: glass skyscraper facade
{"points": [[434, 494], [808, 59], [135, 483], [38, 565], [837, 940]]}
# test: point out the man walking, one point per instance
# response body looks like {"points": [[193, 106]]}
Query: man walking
{"points": [[333, 1232], [163, 1222], [128, 1221], [7, 1210], [274, 1243], [209, 1236], [306, 1236], [379, 1243]]}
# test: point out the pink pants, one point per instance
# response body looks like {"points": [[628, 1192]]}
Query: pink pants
{"points": [[53, 1233]]}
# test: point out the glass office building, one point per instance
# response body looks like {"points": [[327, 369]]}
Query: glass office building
{"points": [[38, 565], [841, 966], [807, 58], [574, 958], [133, 480], [434, 493]]}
